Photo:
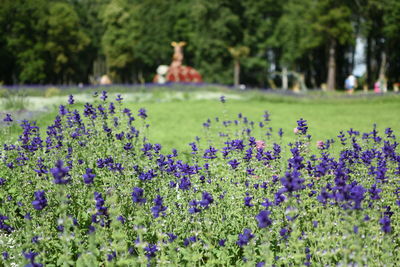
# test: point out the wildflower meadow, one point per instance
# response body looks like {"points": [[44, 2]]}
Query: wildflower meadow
{"points": [[94, 190]]}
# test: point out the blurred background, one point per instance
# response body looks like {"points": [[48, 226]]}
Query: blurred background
{"points": [[285, 43]]}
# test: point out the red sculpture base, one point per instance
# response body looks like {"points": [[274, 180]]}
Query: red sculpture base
{"points": [[183, 74]]}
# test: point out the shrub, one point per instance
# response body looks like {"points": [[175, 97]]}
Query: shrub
{"points": [[52, 91], [95, 191]]}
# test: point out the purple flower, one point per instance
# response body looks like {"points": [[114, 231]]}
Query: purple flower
{"points": [[128, 146], [101, 216], [59, 172], [280, 132], [103, 96], [158, 207], [243, 239], [3, 225], [172, 237], [40, 201], [279, 198], [31, 257], [234, 163], [194, 147], [89, 111], [7, 118], [263, 219], [292, 181], [189, 240], [111, 108], [121, 219], [147, 176], [137, 195], [150, 251], [374, 192], [142, 113], [222, 99], [184, 183], [357, 195], [71, 99], [119, 98], [194, 209], [111, 256], [302, 126], [385, 222], [60, 228], [210, 153], [266, 203], [247, 201], [266, 116], [5, 255], [62, 110], [207, 199], [221, 242], [284, 233], [88, 176]]}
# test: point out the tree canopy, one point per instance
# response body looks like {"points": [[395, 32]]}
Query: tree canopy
{"points": [[73, 41]]}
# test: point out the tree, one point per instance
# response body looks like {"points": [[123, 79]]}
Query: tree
{"points": [[334, 24], [259, 19], [119, 38], [322, 23], [92, 59], [7, 58], [65, 41], [391, 31], [25, 39], [238, 53], [217, 27]]}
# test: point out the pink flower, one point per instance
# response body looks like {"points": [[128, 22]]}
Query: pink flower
{"points": [[320, 144], [296, 131], [260, 144]]}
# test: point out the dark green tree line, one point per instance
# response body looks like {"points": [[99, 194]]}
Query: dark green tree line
{"points": [[72, 41]]}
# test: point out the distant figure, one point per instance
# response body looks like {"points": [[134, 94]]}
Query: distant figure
{"points": [[162, 71], [377, 87], [396, 87], [383, 83], [105, 80], [350, 84]]}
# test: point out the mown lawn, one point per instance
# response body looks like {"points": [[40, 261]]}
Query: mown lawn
{"points": [[175, 122]]}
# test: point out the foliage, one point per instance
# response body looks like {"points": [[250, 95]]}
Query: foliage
{"points": [[52, 91], [96, 191], [119, 36], [65, 40], [129, 38], [14, 100]]}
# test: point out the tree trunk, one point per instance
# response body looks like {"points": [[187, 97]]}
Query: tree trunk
{"points": [[313, 73], [236, 73], [368, 63], [285, 83], [332, 66], [382, 69]]}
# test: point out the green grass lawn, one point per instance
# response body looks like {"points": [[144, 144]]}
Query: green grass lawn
{"points": [[175, 124], [176, 118]]}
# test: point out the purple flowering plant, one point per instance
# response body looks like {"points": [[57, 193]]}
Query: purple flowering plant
{"points": [[94, 188]]}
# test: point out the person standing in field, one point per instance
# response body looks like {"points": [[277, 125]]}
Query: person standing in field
{"points": [[350, 84]]}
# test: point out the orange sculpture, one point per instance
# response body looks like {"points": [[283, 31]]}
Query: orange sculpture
{"points": [[176, 71]]}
